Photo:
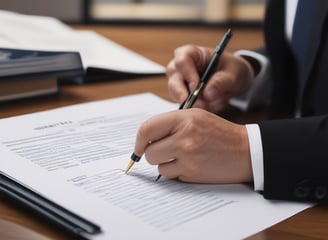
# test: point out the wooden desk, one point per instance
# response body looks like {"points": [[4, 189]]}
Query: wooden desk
{"points": [[158, 44]]}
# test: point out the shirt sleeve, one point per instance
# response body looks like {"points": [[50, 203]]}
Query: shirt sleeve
{"points": [[256, 151], [259, 94]]}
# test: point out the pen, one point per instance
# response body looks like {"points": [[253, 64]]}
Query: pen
{"points": [[190, 100]]}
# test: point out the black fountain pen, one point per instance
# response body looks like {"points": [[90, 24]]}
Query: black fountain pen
{"points": [[191, 99]]}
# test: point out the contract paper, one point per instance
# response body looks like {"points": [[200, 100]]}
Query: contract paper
{"points": [[76, 156]]}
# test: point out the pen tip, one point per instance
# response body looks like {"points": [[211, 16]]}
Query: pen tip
{"points": [[158, 177], [129, 166]]}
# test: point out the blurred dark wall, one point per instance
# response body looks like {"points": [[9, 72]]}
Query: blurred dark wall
{"points": [[66, 10]]}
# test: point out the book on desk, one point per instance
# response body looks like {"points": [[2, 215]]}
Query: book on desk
{"points": [[38, 53], [31, 73], [101, 57]]}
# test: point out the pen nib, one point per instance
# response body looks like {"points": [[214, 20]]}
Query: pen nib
{"points": [[129, 166], [158, 177]]}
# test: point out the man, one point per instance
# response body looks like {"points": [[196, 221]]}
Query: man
{"points": [[286, 158]]}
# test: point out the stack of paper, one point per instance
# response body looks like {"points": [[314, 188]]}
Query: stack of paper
{"points": [[46, 33]]}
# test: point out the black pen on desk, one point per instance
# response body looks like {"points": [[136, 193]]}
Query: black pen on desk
{"points": [[190, 100]]}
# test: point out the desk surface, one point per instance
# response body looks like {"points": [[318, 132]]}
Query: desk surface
{"points": [[158, 44]]}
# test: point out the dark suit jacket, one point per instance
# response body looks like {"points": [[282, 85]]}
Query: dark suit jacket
{"points": [[296, 150]]}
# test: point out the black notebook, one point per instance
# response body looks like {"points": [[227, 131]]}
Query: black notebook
{"points": [[32, 73]]}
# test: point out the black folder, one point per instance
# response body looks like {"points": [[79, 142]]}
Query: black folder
{"points": [[46, 208], [33, 73]]}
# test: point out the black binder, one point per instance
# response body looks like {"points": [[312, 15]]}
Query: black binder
{"points": [[33, 73], [46, 208]]}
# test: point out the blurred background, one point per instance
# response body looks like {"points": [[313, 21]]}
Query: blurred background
{"points": [[143, 11]]}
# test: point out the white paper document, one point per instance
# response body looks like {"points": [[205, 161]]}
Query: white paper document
{"points": [[76, 157], [46, 33]]}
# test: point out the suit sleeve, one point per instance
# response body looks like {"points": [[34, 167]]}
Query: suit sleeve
{"points": [[295, 154]]}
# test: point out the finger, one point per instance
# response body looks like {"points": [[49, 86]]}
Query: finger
{"points": [[169, 169], [155, 129], [215, 106], [174, 169], [219, 87], [231, 78], [177, 88], [181, 170], [162, 151], [186, 65], [183, 72], [188, 61]]}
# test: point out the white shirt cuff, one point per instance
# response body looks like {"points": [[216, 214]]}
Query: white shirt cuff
{"points": [[256, 151]]}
